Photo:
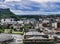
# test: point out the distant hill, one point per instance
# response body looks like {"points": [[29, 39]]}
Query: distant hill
{"points": [[6, 13], [38, 16]]}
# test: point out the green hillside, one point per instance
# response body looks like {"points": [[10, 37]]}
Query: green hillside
{"points": [[6, 13]]}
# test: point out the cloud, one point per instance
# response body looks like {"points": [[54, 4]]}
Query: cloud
{"points": [[18, 12], [11, 0], [37, 0], [46, 0], [2, 0], [32, 6]]}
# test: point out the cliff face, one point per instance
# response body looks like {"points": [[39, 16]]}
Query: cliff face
{"points": [[6, 13]]}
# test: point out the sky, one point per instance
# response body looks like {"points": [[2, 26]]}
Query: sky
{"points": [[26, 7]]}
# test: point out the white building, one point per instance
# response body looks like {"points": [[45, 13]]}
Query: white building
{"points": [[7, 20], [18, 39], [45, 21], [54, 25], [20, 22], [2, 21]]}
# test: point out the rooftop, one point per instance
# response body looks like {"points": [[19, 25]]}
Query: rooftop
{"points": [[5, 37], [34, 33]]}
